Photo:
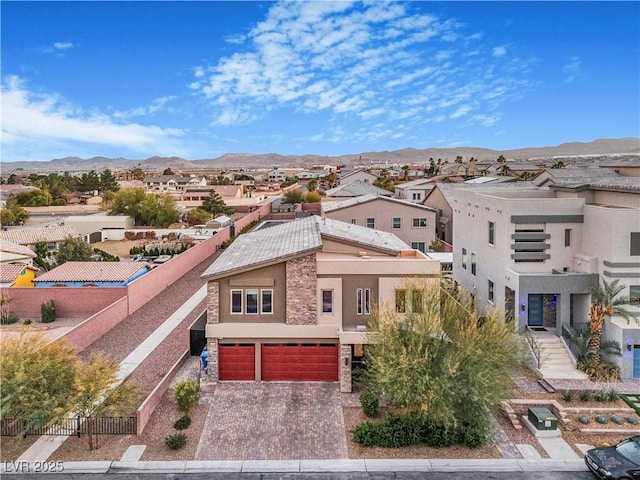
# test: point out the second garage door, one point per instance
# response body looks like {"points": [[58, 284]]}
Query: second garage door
{"points": [[315, 362]]}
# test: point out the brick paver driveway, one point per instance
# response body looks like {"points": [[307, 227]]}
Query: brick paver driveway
{"points": [[273, 421]]}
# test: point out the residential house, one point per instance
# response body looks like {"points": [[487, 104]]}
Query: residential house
{"points": [[415, 190], [13, 253], [87, 224], [172, 184], [359, 175], [291, 302], [16, 275], [92, 274], [355, 189], [29, 237], [573, 176], [276, 175], [534, 253], [440, 199], [413, 224]]}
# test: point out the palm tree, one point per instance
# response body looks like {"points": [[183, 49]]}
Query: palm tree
{"points": [[603, 303]]}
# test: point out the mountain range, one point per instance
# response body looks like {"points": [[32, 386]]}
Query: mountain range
{"points": [[601, 147]]}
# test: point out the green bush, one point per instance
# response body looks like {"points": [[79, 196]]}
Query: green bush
{"points": [[182, 423], [436, 434], [187, 394], [474, 436], [397, 431], [48, 312], [370, 403], [365, 434], [9, 319], [612, 395], [176, 441]]}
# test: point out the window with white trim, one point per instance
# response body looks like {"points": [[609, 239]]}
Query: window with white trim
{"points": [[490, 290], [396, 223], [420, 222], [492, 233], [371, 223], [473, 264], [422, 246], [266, 303], [363, 301], [236, 301], [251, 300]]}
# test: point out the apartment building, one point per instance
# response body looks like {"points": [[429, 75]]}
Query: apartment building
{"points": [[533, 253]]}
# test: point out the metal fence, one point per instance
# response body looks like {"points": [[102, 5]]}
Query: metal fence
{"points": [[69, 426]]}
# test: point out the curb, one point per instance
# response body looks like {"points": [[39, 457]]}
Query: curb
{"points": [[302, 466]]}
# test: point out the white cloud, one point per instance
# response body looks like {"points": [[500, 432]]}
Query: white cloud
{"points": [[63, 45], [58, 48], [572, 70], [33, 118], [499, 51]]}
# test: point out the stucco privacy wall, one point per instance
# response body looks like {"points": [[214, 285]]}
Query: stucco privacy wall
{"points": [[94, 327], [25, 302]]}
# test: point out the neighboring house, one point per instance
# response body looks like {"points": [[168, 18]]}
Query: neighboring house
{"points": [[199, 193], [276, 175], [13, 253], [219, 222], [413, 224], [30, 236], [440, 199], [465, 169], [16, 275], [535, 252], [415, 190], [573, 176], [87, 224], [173, 184], [291, 302], [361, 176], [355, 189], [92, 274]]}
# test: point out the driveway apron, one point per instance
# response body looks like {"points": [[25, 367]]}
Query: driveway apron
{"points": [[273, 421]]}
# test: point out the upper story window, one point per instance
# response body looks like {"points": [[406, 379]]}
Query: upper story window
{"points": [[567, 237], [354, 221], [464, 258], [327, 301], [473, 264], [236, 301], [266, 305], [635, 244], [417, 196], [419, 222], [363, 301], [371, 223], [396, 223], [492, 233], [490, 291], [251, 300]]}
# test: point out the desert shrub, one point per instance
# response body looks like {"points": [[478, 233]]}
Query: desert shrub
{"points": [[567, 395], [370, 403], [365, 434], [584, 395], [187, 394], [612, 395], [27, 321], [9, 319], [600, 396], [48, 312], [436, 434], [176, 441], [182, 423]]}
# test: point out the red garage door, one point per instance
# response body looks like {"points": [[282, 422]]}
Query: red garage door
{"points": [[315, 362], [237, 362]]}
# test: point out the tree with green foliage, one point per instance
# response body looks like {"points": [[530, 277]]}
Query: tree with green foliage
{"points": [[98, 392], [187, 394], [137, 173], [73, 249], [384, 180], [431, 354], [168, 171], [13, 213], [89, 181], [293, 196], [214, 204], [312, 185], [312, 197], [197, 216], [159, 211], [37, 378], [108, 181], [332, 179], [32, 198]]}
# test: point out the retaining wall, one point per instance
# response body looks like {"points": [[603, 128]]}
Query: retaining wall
{"points": [[84, 334]]}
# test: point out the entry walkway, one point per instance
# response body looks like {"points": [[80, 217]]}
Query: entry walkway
{"points": [[47, 444]]}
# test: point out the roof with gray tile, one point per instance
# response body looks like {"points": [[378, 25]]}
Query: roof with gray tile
{"points": [[332, 206], [31, 236], [357, 189], [93, 272], [304, 235]]}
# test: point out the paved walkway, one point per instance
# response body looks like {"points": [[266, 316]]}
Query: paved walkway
{"points": [[46, 445], [273, 421]]}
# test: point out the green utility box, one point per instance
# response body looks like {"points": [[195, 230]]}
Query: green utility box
{"points": [[542, 418]]}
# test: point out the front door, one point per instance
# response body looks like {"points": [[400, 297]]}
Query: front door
{"points": [[535, 318], [636, 361]]}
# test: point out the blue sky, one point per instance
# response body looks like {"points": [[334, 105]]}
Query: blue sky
{"points": [[200, 79]]}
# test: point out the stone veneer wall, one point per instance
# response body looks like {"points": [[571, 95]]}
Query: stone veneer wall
{"points": [[345, 368], [213, 302], [301, 291], [212, 360]]}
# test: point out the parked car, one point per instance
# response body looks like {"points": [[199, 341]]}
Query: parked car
{"points": [[620, 462]]}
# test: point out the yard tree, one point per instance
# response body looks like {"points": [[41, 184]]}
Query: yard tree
{"points": [[128, 201], [312, 197], [384, 180], [108, 181], [430, 353], [73, 249], [32, 198], [312, 185], [98, 392], [37, 378], [13, 213], [605, 301], [145, 208], [88, 181], [197, 216], [293, 196], [214, 204]]}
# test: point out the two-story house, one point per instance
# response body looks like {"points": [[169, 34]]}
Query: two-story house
{"points": [[412, 223], [534, 253], [291, 302]]}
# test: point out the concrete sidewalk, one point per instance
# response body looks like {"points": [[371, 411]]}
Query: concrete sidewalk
{"points": [[46, 445], [317, 466]]}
